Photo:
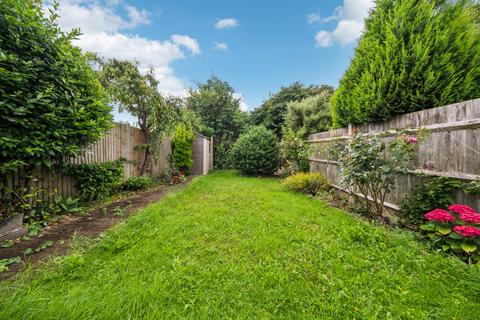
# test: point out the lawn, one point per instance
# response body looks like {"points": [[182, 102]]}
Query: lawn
{"points": [[230, 247]]}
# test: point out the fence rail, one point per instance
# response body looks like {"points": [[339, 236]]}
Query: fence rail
{"points": [[452, 148]]}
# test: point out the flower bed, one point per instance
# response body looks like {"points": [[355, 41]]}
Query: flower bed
{"points": [[456, 230]]}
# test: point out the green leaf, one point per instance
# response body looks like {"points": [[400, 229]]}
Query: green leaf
{"points": [[428, 227], [456, 236], [443, 230], [468, 247]]}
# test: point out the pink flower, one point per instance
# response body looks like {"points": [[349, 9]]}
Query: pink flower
{"points": [[470, 217], [439, 215], [467, 231], [412, 140], [460, 209]]}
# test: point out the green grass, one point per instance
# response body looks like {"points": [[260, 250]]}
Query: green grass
{"points": [[229, 247]]}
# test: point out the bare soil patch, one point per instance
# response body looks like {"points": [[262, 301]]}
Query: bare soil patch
{"points": [[61, 232]]}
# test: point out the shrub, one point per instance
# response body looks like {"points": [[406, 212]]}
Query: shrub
{"points": [[95, 181], [294, 153], [436, 193], [413, 55], [310, 115], [309, 183], [137, 183], [182, 142], [256, 152], [52, 104], [368, 170], [456, 230]]}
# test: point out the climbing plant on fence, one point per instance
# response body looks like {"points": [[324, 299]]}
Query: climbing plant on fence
{"points": [[52, 104]]}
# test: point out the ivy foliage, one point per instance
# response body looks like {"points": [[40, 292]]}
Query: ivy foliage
{"points": [[52, 104], [95, 181], [256, 152], [414, 55], [182, 142]]}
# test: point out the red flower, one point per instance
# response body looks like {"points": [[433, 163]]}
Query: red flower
{"points": [[439, 215], [460, 209], [471, 217], [467, 231]]}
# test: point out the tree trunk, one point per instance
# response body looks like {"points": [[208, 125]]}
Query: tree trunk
{"points": [[146, 155]]}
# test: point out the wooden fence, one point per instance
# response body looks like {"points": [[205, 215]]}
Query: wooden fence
{"points": [[452, 149], [119, 142]]}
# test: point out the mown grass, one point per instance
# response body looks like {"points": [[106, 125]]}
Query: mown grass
{"points": [[230, 247]]}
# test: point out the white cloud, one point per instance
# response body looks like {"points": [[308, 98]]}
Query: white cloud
{"points": [[187, 42], [350, 24], [243, 105], [226, 23], [220, 46], [136, 16], [313, 17], [102, 27]]}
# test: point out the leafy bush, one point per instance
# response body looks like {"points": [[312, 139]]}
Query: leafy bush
{"points": [[309, 183], [95, 181], [256, 152], [182, 142], [436, 193], [294, 153], [367, 170], [273, 111], [52, 102], [137, 183], [311, 115], [413, 55], [456, 230]]}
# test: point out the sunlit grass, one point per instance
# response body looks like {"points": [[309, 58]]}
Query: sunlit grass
{"points": [[229, 247]]}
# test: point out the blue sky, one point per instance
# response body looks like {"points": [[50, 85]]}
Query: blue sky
{"points": [[257, 46]]}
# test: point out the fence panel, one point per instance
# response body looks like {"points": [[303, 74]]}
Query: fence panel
{"points": [[452, 148], [119, 142]]}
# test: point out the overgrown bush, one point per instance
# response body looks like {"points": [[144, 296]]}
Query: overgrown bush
{"points": [[294, 153], [95, 181], [309, 183], [368, 169], [137, 183], [413, 55], [52, 104], [256, 152], [456, 230], [182, 143]]}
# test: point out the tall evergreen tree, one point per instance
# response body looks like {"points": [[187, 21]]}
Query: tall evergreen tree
{"points": [[414, 55]]}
